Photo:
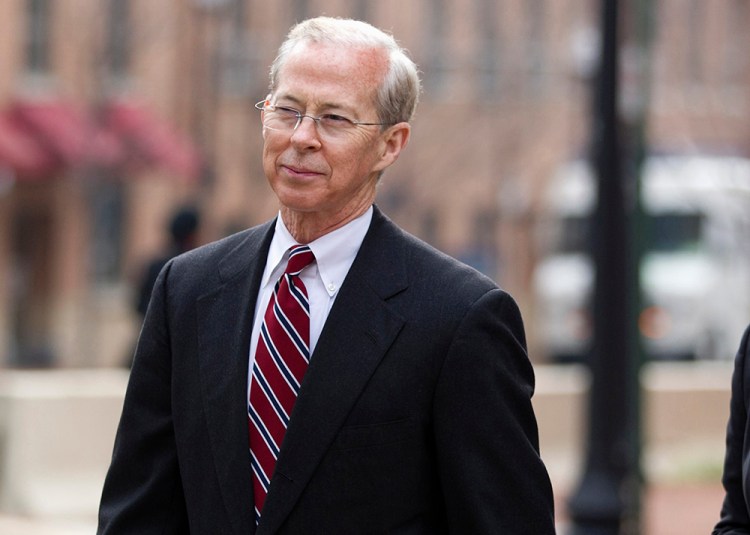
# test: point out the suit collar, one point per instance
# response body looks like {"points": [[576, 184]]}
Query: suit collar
{"points": [[252, 247], [334, 252]]}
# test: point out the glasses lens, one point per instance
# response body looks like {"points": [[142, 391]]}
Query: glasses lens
{"points": [[280, 118], [334, 126], [286, 119]]}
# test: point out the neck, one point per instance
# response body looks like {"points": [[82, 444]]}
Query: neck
{"points": [[306, 227]]}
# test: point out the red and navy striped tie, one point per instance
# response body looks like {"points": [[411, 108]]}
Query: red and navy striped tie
{"points": [[281, 360]]}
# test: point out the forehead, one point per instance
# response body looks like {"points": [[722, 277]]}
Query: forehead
{"points": [[332, 73]]}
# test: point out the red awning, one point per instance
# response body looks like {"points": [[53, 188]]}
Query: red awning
{"points": [[151, 139], [45, 136], [21, 152], [71, 135]]}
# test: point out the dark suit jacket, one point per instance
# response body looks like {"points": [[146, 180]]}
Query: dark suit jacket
{"points": [[414, 415], [735, 512]]}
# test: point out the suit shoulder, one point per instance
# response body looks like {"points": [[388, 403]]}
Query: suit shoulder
{"points": [[426, 260], [446, 290]]}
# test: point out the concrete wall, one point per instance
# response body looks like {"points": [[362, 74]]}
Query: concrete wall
{"points": [[57, 429], [56, 434]]}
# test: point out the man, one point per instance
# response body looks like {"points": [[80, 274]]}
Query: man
{"points": [[735, 509], [414, 413]]}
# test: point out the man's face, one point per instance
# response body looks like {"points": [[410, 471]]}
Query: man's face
{"points": [[330, 179]]}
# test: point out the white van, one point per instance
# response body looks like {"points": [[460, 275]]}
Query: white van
{"points": [[695, 273]]}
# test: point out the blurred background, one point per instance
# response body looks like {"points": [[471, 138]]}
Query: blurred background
{"points": [[117, 114]]}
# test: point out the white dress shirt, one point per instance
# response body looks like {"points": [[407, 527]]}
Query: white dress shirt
{"points": [[334, 255]]}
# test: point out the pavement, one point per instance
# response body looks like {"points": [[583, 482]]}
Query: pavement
{"points": [[668, 509], [17, 525], [690, 509], [684, 425]]}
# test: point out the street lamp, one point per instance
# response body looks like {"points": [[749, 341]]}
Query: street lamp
{"points": [[608, 495]]}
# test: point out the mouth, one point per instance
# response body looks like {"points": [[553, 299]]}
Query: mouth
{"points": [[300, 172]]}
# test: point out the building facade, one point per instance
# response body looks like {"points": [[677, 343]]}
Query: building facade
{"points": [[113, 113]]}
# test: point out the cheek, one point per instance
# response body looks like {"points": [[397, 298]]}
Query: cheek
{"points": [[269, 166], [345, 169], [271, 151], [360, 157]]}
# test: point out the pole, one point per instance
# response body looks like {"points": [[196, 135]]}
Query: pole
{"points": [[601, 503]]}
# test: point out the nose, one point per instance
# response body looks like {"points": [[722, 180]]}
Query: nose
{"points": [[305, 134], [303, 117]]}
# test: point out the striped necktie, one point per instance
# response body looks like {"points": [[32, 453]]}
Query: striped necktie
{"points": [[281, 360]]}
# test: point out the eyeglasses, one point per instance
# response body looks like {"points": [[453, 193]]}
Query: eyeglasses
{"points": [[330, 125]]}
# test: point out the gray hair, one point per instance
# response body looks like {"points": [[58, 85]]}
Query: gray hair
{"points": [[397, 96]]}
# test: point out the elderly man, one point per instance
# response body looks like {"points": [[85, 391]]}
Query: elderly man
{"points": [[326, 372]]}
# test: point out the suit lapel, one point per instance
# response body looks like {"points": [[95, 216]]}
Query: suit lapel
{"points": [[357, 333], [226, 314]]}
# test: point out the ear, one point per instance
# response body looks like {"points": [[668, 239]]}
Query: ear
{"points": [[391, 144]]}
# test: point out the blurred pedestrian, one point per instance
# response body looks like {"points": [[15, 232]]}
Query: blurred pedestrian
{"points": [[183, 236], [735, 511], [414, 414]]}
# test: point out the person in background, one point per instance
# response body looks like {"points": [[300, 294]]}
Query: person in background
{"points": [[326, 372], [735, 511], [183, 235]]}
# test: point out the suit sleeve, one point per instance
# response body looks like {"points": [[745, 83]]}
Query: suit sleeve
{"points": [[142, 491], [493, 478], [735, 519]]}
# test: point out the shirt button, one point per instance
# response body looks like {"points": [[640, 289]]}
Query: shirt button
{"points": [[331, 287]]}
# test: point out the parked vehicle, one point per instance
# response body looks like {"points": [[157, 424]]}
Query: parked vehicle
{"points": [[694, 273]]}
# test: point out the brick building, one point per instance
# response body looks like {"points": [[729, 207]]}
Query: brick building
{"points": [[112, 113]]}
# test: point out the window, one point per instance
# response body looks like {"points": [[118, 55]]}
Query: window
{"points": [[675, 231], [300, 9], [536, 44], [107, 212], [489, 60], [437, 64], [362, 9], [239, 55], [696, 42], [118, 36], [38, 35]]}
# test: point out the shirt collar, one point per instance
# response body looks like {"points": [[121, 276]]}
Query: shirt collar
{"points": [[334, 252]]}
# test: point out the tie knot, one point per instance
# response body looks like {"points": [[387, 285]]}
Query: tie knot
{"points": [[300, 256]]}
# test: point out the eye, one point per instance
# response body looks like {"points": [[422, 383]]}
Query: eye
{"points": [[332, 119], [286, 111]]}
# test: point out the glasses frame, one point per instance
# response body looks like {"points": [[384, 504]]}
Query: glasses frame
{"points": [[264, 105]]}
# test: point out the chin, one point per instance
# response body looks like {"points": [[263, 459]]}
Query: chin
{"points": [[298, 203]]}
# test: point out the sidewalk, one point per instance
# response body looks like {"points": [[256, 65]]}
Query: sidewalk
{"points": [[670, 509], [689, 509], [12, 525], [77, 411]]}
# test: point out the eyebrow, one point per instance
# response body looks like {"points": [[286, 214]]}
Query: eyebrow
{"points": [[324, 106]]}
